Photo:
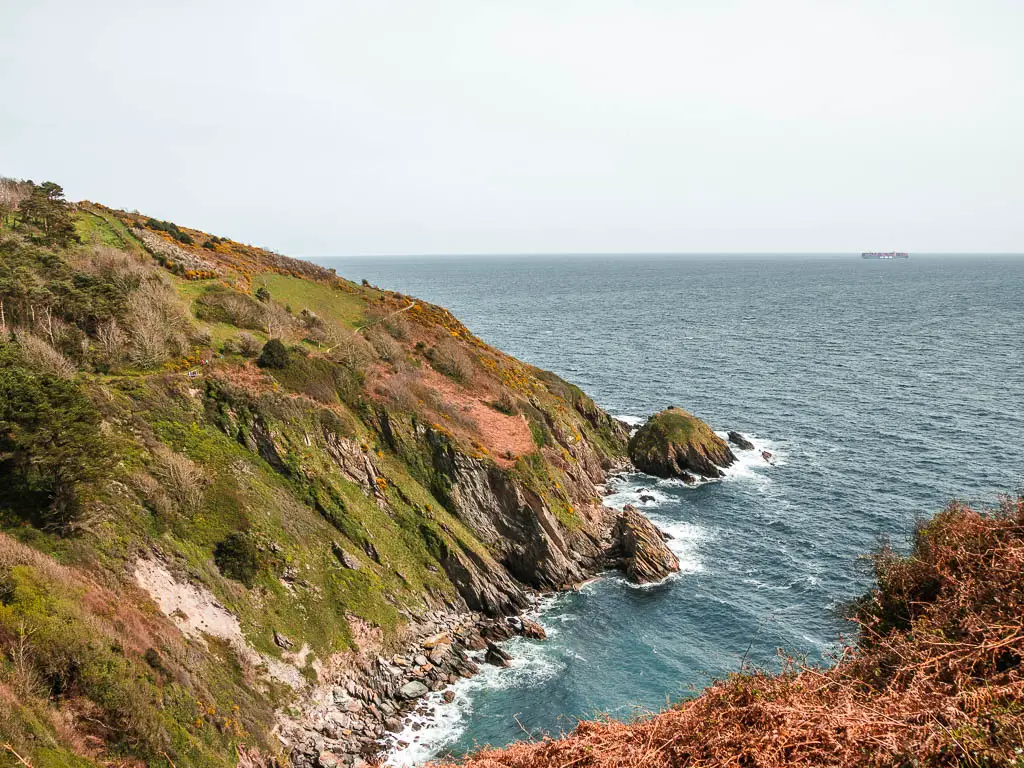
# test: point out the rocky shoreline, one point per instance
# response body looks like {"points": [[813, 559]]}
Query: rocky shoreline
{"points": [[346, 724]]}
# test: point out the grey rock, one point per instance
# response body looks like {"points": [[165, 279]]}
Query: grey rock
{"points": [[281, 641], [414, 689]]}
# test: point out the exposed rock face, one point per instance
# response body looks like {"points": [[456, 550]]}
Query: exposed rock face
{"points": [[641, 547], [674, 443], [165, 249], [517, 526], [740, 441]]}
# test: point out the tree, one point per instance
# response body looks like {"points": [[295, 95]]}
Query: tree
{"points": [[46, 208], [51, 446], [274, 355]]}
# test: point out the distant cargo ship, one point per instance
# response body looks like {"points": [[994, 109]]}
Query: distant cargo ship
{"points": [[889, 255]]}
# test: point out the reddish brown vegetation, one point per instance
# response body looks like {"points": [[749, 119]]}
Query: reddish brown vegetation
{"points": [[935, 678]]}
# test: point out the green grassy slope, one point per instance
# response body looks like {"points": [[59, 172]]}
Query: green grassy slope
{"points": [[136, 424]]}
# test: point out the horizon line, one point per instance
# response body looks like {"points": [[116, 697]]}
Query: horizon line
{"points": [[541, 254]]}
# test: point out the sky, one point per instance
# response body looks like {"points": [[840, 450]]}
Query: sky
{"points": [[341, 128]]}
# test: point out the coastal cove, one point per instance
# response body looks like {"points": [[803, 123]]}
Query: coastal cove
{"points": [[882, 388]]}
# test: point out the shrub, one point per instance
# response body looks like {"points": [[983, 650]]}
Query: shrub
{"points": [[386, 347], [113, 342], [247, 345], [262, 293], [238, 558], [40, 356], [183, 480], [314, 328], [220, 304], [351, 350], [451, 360], [157, 325], [320, 379], [171, 229], [274, 355], [505, 404]]}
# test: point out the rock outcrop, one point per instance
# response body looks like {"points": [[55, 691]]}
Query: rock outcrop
{"points": [[674, 443], [641, 549], [737, 439]]}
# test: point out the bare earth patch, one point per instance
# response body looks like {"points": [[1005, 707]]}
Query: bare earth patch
{"points": [[196, 612], [505, 437]]}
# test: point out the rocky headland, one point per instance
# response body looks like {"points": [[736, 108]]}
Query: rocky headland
{"points": [[278, 507]]}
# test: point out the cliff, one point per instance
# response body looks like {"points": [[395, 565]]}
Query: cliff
{"points": [[241, 495]]}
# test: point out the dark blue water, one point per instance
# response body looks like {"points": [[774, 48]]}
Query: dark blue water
{"points": [[885, 389]]}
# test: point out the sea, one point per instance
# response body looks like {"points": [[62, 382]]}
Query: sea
{"points": [[883, 390]]}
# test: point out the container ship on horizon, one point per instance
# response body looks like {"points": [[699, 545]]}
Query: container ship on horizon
{"points": [[886, 255]]}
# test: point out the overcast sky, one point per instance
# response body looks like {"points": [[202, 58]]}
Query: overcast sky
{"points": [[383, 127]]}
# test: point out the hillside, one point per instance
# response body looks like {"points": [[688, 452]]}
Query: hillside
{"points": [[935, 677], [240, 494]]}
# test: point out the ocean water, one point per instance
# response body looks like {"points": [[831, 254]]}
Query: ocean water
{"points": [[884, 389]]}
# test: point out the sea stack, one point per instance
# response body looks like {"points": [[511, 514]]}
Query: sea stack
{"points": [[675, 443], [641, 547]]}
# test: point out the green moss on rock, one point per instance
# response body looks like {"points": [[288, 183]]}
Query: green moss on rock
{"points": [[675, 443]]}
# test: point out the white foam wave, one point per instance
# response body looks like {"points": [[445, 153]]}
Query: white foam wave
{"points": [[633, 421], [436, 724], [639, 494], [750, 464], [686, 543]]}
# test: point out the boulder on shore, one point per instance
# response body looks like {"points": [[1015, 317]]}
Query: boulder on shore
{"points": [[674, 443], [414, 689], [496, 656], [644, 557], [737, 439]]}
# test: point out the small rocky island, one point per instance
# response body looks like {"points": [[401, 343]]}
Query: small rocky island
{"points": [[675, 443]]}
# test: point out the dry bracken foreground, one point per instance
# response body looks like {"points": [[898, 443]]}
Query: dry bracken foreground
{"points": [[935, 678]]}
